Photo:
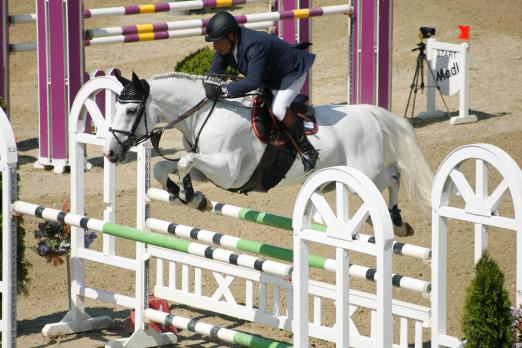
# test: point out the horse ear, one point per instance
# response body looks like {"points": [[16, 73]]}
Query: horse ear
{"points": [[137, 83], [135, 78], [122, 80]]}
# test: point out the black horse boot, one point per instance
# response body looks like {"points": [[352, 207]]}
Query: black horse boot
{"points": [[309, 154]]}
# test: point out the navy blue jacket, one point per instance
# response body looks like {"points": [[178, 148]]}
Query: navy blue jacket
{"points": [[262, 57]]}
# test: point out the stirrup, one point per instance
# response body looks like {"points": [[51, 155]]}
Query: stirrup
{"points": [[309, 160]]}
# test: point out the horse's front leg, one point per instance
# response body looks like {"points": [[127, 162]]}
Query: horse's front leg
{"points": [[161, 171], [195, 199], [183, 193]]}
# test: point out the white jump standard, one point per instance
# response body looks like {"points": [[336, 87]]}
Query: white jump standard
{"points": [[8, 163]]}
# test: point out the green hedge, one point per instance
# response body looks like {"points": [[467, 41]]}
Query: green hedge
{"points": [[199, 62], [487, 317]]}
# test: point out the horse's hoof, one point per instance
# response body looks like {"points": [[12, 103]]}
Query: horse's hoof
{"points": [[174, 199], [209, 206], [203, 203], [404, 230]]}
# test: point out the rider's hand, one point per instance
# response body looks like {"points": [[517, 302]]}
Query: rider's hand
{"points": [[213, 91], [214, 88]]}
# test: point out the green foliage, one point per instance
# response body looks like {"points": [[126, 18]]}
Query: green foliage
{"points": [[22, 264], [486, 319], [199, 62]]}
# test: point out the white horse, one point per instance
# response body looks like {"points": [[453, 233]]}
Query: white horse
{"points": [[369, 138]]}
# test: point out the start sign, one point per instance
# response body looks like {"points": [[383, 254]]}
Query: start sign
{"points": [[449, 64]]}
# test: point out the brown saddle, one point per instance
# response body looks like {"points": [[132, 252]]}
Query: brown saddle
{"points": [[269, 130]]}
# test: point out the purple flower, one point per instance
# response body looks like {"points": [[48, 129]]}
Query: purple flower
{"points": [[88, 238], [43, 249]]}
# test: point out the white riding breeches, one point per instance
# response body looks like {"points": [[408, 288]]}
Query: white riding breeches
{"points": [[283, 98]]}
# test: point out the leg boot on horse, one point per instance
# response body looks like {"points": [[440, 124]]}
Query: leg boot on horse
{"points": [[309, 154]]}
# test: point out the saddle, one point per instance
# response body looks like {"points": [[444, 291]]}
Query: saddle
{"points": [[268, 129], [280, 153]]}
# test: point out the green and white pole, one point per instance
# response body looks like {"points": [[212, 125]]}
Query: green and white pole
{"points": [[279, 253], [159, 240], [217, 332], [285, 223]]}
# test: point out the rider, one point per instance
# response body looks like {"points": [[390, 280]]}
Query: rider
{"points": [[261, 58]]}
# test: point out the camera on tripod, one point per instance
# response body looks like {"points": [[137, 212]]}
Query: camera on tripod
{"points": [[418, 78], [426, 32]]}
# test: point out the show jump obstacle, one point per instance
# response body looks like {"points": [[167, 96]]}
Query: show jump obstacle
{"points": [[277, 290], [8, 162], [62, 40]]}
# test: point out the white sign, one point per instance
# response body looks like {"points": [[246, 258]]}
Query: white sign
{"points": [[447, 61], [449, 64]]}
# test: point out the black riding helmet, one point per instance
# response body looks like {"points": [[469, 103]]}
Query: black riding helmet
{"points": [[220, 25]]}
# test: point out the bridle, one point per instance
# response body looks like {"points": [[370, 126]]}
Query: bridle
{"points": [[132, 139], [155, 134]]}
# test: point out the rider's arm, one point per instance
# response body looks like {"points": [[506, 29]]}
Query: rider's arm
{"points": [[218, 66], [256, 56]]}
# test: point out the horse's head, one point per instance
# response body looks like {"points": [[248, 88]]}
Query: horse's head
{"points": [[131, 124]]}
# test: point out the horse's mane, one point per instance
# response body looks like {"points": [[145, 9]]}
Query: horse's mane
{"points": [[177, 74], [245, 101]]}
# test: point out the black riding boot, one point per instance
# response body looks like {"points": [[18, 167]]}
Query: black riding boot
{"points": [[309, 154]]}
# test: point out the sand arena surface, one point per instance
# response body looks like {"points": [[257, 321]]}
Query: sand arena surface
{"points": [[496, 76]]}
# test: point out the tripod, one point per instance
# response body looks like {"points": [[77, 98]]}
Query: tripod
{"points": [[419, 74]]}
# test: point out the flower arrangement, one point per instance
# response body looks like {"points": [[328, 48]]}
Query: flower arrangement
{"points": [[516, 324], [53, 239]]}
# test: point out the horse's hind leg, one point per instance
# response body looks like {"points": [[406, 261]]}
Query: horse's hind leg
{"points": [[390, 178]]}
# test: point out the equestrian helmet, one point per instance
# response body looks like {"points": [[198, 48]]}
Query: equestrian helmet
{"points": [[220, 25]]}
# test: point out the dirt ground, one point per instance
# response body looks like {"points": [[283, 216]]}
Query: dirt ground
{"points": [[495, 79]]}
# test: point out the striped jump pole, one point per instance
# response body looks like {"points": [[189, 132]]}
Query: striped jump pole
{"points": [[162, 7], [213, 331], [251, 215], [167, 242], [201, 23], [315, 261], [162, 35], [285, 223], [162, 241], [141, 9]]}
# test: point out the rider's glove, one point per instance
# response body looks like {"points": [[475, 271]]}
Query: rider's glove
{"points": [[214, 88]]}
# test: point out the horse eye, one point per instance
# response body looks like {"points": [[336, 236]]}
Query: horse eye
{"points": [[131, 111]]}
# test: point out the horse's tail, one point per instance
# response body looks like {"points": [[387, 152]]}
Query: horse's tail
{"points": [[401, 146]]}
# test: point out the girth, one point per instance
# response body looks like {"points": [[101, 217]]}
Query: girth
{"points": [[272, 168]]}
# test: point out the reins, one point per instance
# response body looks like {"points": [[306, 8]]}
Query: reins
{"points": [[155, 134], [194, 148]]}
